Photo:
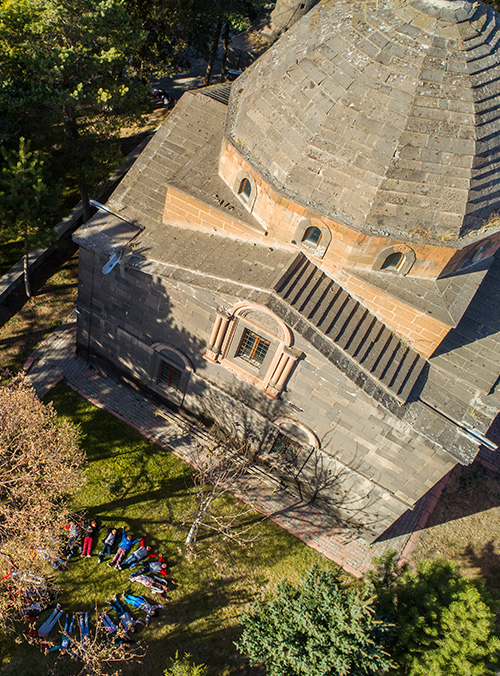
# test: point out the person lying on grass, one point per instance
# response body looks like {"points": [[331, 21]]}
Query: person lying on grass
{"points": [[142, 603], [155, 584], [135, 557], [65, 644], [108, 543], [73, 529], [126, 544], [90, 532], [158, 567], [126, 619]]}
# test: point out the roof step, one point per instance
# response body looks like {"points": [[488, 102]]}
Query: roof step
{"points": [[334, 311], [361, 334], [372, 357], [343, 318], [317, 298], [301, 291], [352, 327], [371, 339], [388, 354], [395, 364], [411, 378], [288, 282]]}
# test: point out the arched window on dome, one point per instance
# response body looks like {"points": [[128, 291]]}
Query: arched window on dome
{"points": [[312, 236], [398, 259], [393, 261], [245, 189]]}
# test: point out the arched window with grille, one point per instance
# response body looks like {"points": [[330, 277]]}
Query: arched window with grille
{"points": [[312, 237], [396, 259], [171, 371]]}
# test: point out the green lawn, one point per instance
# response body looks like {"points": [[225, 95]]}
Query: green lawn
{"points": [[135, 483]]}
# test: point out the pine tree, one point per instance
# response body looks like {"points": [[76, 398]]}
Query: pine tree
{"points": [[320, 627], [443, 624], [27, 200]]}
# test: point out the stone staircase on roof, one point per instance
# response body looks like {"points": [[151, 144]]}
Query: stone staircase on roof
{"points": [[218, 92], [352, 327]]}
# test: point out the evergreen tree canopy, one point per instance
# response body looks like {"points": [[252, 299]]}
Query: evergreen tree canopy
{"points": [[64, 77], [320, 627], [443, 625], [27, 199]]}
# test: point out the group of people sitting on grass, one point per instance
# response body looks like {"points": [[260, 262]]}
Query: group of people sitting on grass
{"points": [[153, 572]]}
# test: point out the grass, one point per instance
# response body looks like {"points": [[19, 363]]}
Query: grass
{"points": [[24, 323], [465, 526], [133, 482]]}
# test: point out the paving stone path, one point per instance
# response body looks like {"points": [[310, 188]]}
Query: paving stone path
{"points": [[55, 359]]}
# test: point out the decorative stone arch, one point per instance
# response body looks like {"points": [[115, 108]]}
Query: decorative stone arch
{"points": [[240, 188], [308, 244], [166, 348], [306, 435], [246, 309], [228, 346], [171, 371], [402, 265]]}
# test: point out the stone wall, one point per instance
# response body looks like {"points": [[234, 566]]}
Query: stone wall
{"points": [[369, 468]]}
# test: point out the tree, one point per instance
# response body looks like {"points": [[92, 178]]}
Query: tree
{"points": [[40, 466], [216, 471], [443, 625], [182, 666], [320, 627], [173, 28], [66, 79], [27, 199]]}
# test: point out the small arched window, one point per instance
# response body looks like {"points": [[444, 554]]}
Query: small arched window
{"points": [[312, 236], [245, 189], [171, 371], [393, 261]]}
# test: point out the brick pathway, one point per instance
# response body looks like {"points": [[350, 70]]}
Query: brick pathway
{"points": [[55, 360]]}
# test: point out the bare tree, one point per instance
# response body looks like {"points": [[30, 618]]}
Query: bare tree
{"points": [[217, 471], [40, 466]]}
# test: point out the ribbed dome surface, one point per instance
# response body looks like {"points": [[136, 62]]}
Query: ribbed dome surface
{"points": [[383, 115]]}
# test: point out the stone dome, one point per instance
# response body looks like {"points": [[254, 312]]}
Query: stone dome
{"points": [[381, 114]]}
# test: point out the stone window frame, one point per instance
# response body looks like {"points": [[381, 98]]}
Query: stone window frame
{"points": [[244, 175], [404, 267], [272, 375], [308, 447], [318, 250], [179, 362]]}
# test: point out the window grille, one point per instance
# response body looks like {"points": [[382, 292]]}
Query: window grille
{"points": [[253, 348], [286, 448], [169, 376]]}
